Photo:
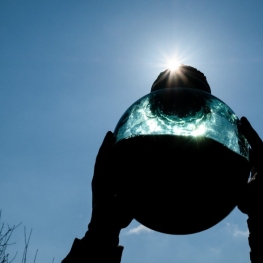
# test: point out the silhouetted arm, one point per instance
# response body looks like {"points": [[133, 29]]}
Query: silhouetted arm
{"points": [[109, 216], [251, 200]]}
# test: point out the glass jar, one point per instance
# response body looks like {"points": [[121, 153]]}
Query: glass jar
{"points": [[180, 160]]}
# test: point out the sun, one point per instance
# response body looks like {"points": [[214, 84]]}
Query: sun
{"points": [[171, 61], [173, 64]]}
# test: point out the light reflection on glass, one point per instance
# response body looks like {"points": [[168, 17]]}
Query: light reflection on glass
{"points": [[184, 112]]}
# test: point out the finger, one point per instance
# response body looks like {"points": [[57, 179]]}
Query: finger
{"points": [[251, 135], [106, 144], [101, 178], [105, 148], [102, 157]]}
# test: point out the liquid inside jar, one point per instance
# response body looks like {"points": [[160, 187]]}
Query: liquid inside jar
{"points": [[178, 184]]}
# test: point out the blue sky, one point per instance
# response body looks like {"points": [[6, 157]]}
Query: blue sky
{"points": [[68, 71]]}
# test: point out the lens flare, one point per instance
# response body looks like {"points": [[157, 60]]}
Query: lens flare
{"points": [[173, 64]]}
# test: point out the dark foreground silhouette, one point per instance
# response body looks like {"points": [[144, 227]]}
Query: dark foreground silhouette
{"points": [[110, 214]]}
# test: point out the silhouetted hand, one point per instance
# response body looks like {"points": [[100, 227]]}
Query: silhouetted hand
{"points": [[109, 212], [251, 201]]}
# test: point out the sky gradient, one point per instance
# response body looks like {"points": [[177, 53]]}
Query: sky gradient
{"points": [[68, 71]]}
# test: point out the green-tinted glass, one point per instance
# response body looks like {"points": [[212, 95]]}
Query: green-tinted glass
{"points": [[184, 112]]}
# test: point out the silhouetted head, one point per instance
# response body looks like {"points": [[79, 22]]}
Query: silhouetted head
{"points": [[183, 76]]}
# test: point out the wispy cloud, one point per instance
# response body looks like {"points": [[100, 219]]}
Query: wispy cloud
{"points": [[235, 231], [238, 232], [138, 230]]}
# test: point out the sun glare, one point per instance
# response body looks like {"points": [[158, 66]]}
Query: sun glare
{"points": [[173, 64], [171, 61], [199, 131]]}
